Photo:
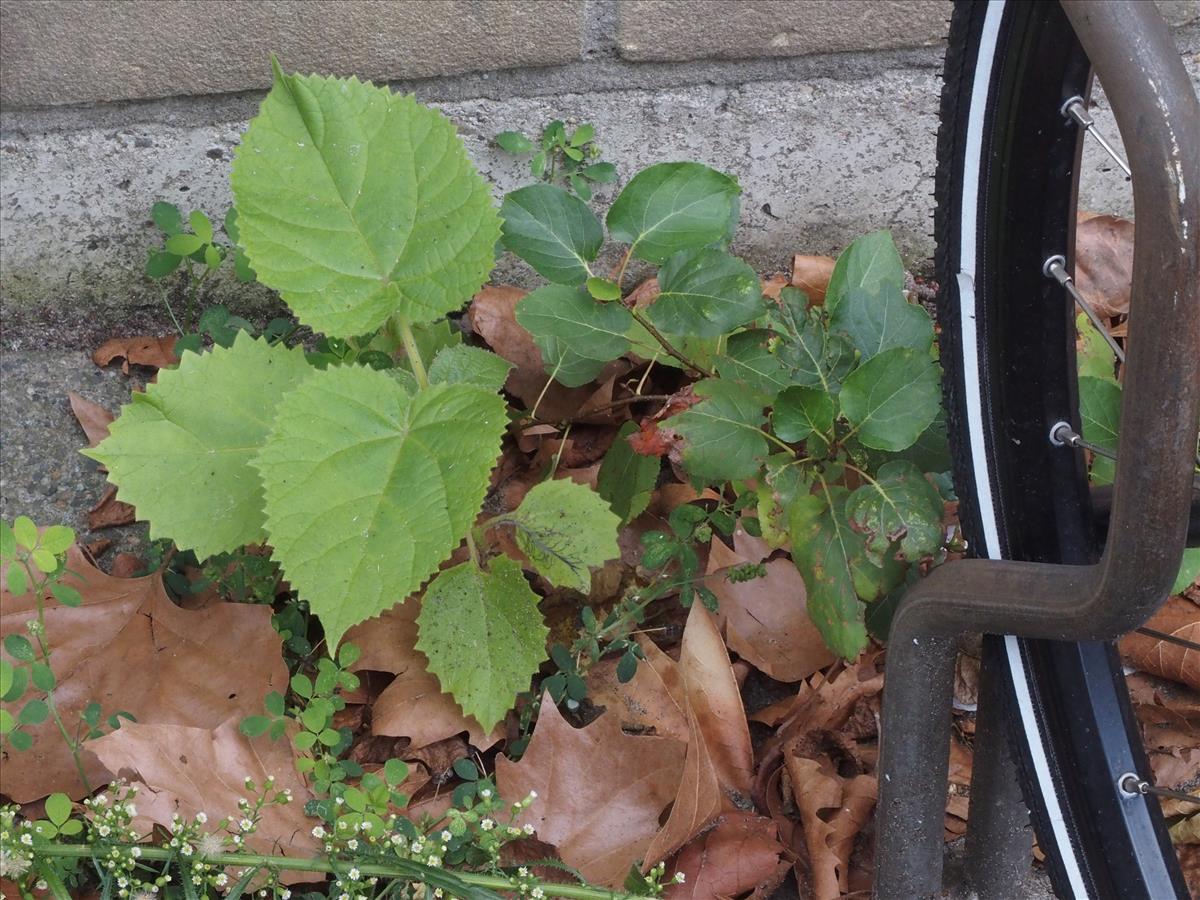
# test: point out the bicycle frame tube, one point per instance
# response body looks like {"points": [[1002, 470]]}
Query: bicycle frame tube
{"points": [[1159, 119]]}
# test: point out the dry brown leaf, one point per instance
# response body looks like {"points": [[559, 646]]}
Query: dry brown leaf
{"points": [[93, 418], [1104, 262], [655, 698], [128, 647], [600, 791], [1189, 862], [1177, 617], [698, 799], [109, 512], [765, 620], [413, 705], [829, 838], [190, 770], [811, 274], [158, 352], [1187, 830], [742, 853], [712, 691]]}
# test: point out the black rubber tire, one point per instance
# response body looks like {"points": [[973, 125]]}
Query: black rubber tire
{"points": [[1007, 174]]}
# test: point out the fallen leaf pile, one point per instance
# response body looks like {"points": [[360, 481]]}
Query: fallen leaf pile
{"points": [[740, 752]]}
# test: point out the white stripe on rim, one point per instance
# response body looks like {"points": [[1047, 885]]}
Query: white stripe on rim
{"points": [[981, 82]]}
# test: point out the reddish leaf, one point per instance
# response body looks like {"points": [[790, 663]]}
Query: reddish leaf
{"points": [[829, 837], [1177, 617], [110, 512], [158, 352], [811, 274], [1104, 262], [742, 853], [92, 417]]}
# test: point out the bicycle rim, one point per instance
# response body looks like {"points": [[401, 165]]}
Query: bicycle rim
{"points": [[1008, 165]]}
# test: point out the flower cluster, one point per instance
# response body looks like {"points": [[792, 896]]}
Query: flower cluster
{"points": [[110, 832], [16, 845]]}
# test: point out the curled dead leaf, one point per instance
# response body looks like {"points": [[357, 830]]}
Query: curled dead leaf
{"points": [[811, 274], [109, 512], [158, 352], [1104, 262], [93, 418], [742, 853], [1179, 618]]}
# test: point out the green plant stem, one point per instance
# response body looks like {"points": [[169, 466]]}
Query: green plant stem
{"points": [[776, 441], [299, 864], [666, 345], [404, 327], [194, 295]]}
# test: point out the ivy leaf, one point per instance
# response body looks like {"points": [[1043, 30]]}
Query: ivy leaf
{"points": [[880, 319], [900, 506], [870, 263], [180, 452], [892, 398], [356, 203], [483, 635], [554, 232], [748, 358], [823, 547], [671, 207], [363, 509], [1100, 418], [460, 364], [627, 479], [565, 529], [723, 440], [802, 411], [705, 293], [576, 335]]}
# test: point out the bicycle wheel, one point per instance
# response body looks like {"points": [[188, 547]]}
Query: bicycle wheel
{"points": [[1008, 166]]}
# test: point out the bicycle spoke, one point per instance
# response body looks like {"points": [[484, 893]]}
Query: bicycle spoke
{"points": [[1075, 110], [1056, 267], [1131, 784], [1169, 638]]}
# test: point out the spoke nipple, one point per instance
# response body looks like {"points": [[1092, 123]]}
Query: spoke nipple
{"points": [[1056, 267], [1062, 435], [1131, 785], [1075, 108]]}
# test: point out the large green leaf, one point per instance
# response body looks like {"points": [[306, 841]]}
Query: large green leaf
{"points": [[671, 207], [1100, 417], [577, 335], [180, 452], [565, 529], [483, 635], [802, 411], [356, 203], [705, 293], [811, 355], [892, 398], [1189, 570], [627, 479], [722, 434], [368, 489], [880, 319], [823, 548], [748, 358], [460, 364], [900, 505], [553, 231], [1093, 355], [871, 263]]}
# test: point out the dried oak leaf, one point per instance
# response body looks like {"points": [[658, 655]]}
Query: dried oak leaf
{"points": [[189, 770], [93, 418], [413, 705], [109, 512], [158, 352], [742, 853], [600, 791], [654, 699], [128, 647], [1177, 617], [698, 799], [1104, 262], [811, 274], [765, 620]]}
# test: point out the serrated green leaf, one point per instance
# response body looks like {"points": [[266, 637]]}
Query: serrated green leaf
{"points": [[627, 479], [901, 506], [576, 335], [705, 293], [802, 411], [167, 217], [25, 531], [748, 358], [363, 509], [823, 546], [870, 263], [892, 398], [483, 635], [1100, 418], [1093, 355], [180, 452], [356, 204], [671, 207], [880, 319], [514, 142], [722, 434], [565, 529], [552, 231], [469, 365]]}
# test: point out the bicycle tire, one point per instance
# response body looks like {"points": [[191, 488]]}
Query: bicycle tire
{"points": [[1006, 191]]}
